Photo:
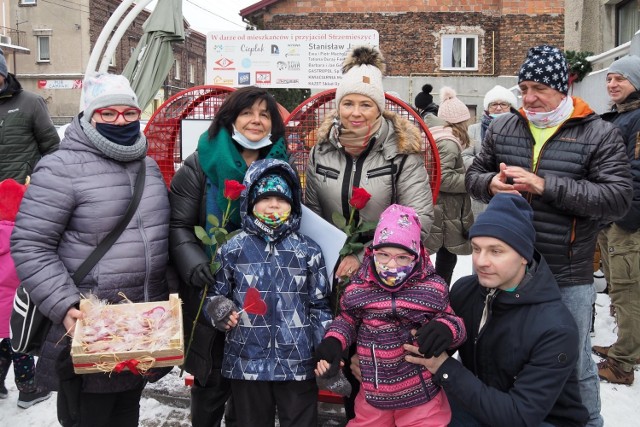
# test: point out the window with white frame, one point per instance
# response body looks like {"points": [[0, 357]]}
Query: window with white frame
{"points": [[192, 73], [176, 66], [27, 1], [627, 20], [44, 48], [459, 52]]}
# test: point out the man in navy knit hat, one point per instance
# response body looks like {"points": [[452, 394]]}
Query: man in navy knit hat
{"points": [[517, 365], [572, 168]]}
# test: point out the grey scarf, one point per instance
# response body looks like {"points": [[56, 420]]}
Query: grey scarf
{"points": [[112, 150]]}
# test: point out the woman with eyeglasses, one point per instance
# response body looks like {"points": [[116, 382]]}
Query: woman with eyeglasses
{"points": [[77, 196], [497, 101], [394, 298]]}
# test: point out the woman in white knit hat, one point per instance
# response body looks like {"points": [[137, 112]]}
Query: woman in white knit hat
{"points": [[453, 216], [363, 145], [499, 100]]}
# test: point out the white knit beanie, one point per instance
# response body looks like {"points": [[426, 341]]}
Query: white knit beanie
{"points": [[500, 93], [104, 90], [452, 109], [362, 74]]}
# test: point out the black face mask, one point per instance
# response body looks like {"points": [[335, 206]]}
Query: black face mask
{"points": [[121, 135]]}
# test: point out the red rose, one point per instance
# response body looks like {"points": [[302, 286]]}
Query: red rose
{"points": [[359, 198], [232, 189]]}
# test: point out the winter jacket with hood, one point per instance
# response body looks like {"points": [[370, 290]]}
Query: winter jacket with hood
{"points": [[587, 182], [76, 197], [380, 322], [290, 274], [190, 189], [626, 117], [519, 369], [26, 131], [452, 213], [391, 169]]}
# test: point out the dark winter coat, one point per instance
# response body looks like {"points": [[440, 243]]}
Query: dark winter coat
{"points": [[76, 197], [380, 322], [587, 182], [290, 274], [626, 117], [188, 196], [519, 369], [26, 131]]}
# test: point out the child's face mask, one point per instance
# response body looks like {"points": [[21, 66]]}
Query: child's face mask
{"points": [[393, 269], [273, 211]]}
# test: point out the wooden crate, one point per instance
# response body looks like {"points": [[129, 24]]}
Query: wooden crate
{"points": [[89, 363]]}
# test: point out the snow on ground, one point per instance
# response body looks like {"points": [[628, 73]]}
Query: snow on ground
{"points": [[619, 402]]}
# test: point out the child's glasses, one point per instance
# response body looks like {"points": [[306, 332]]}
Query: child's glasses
{"points": [[402, 260]]}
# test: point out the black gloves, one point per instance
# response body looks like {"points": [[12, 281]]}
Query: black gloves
{"points": [[330, 349], [219, 309], [434, 338], [202, 276]]}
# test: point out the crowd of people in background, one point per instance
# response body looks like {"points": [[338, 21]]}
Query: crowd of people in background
{"points": [[528, 192]]}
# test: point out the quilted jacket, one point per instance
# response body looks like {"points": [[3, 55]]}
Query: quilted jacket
{"points": [[392, 170], [26, 131], [290, 274], [76, 197], [380, 322], [587, 183]]}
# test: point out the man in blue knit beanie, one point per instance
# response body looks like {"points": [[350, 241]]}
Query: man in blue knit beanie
{"points": [[517, 365]]}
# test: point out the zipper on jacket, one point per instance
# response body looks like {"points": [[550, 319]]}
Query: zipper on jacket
{"points": [[327, 172], [385, 170], [488, 307], [375, 365]]}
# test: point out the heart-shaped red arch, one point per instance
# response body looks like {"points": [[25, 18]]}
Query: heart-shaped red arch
{"points": [[253, 303]]}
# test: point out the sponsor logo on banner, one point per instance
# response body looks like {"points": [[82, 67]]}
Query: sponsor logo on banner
{"points": [[287, 81], [224, 64], [263, 77], [244, 78], [219, 80]]}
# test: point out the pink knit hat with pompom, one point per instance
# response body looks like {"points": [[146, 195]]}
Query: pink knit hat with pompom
{"points": [[399, 226], [452, 109]]}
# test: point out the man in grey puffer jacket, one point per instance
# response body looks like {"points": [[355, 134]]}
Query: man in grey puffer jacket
{"points": [[77, 196]]}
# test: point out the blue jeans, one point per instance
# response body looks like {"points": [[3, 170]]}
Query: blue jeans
{"points": [[462, 418], [579, 300]]}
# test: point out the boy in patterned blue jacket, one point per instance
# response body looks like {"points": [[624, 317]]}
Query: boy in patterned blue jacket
{"points": [[278, 278]]}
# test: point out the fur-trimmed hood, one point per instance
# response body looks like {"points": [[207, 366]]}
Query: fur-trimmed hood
{"points": [[405, 136]]}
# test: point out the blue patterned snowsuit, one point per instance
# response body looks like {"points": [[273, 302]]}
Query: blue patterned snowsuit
{"points": [[291, 276]]}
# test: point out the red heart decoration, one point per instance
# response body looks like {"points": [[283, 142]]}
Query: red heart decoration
{"points": [[253, 303]]}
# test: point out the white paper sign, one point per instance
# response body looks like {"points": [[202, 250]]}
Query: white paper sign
{"points": [[282, 58], [330, 238]]}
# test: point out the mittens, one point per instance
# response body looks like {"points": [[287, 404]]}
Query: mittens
{"points": [[219, 310], [330, 349], [434, 338], [202, 276]]}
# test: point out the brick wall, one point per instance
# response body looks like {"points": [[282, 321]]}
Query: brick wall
{"points": [[410, 30]]}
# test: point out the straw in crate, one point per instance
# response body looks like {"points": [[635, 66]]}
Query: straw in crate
{"points": [[133, 336]]}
